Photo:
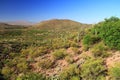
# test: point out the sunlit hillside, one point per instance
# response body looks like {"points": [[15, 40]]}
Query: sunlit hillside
{"points": [[59, 24]]}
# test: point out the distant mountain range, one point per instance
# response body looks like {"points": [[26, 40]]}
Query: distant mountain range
{"points": [[48, 24], [26, 23], [9, 26]]}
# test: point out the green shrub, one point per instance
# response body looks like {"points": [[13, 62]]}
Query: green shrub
{"points": [[70, 72], [22, 66], [12, 32], [109, 32], [34, 51], [75, 78], [89, 40], [6, 71], [46, 63], [14, 66], [31, 76], [6, 50], [93, 69], [59, 54], [40, 51], [86, 47], [11, 47], [73, 44], [9, 63], [69, 59], [115, 72], [100, 50], [58, 43], [85, 56], [112, 19]]}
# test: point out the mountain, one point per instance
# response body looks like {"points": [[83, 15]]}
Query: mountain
{"points": [[59, 23], [26, 23], [8, 26]]}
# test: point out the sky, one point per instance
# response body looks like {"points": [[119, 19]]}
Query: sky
{"points": [[84, 11]]}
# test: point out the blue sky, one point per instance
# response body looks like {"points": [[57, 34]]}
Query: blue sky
{"points": [[85, 11]]}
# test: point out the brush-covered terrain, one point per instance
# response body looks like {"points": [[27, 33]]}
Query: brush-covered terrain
{"points": [[60, 50]]}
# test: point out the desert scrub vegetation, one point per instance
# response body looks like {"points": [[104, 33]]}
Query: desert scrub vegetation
{"points": [[46, 63], [114, 72], [14, 66], [12, 32], [8, 47], [34, 51], [58, 43], [75, 78], [93, 69], [69, 59], [31, 76], [59, 53], [75, 50], [89, 40], [100, 50], [6, 71], [30, 49], [70, 73]]}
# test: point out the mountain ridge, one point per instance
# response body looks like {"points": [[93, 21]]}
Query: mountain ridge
{"points": [[59, 23], [24, 23]]}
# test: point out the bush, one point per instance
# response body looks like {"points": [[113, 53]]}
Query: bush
{"points": [[115, 72], [11, 47], [9, 63], [89, 40], [73, 44], [59, 54], [58, 43], [31, 76], [46, 63], [75, 78], [12, 32], [112, 19], [93, 69], [100, 50], [22, 66], [34, 51], [69, 59], [109, 32], [6, 71], [70, 72]]}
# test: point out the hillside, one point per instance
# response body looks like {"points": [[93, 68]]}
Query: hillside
{"points": [[59, 23], [3, 25], [61, 50]]}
